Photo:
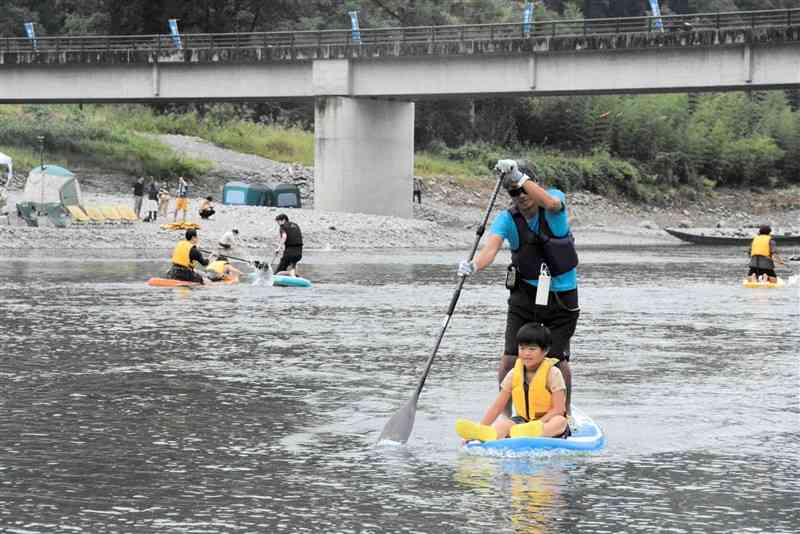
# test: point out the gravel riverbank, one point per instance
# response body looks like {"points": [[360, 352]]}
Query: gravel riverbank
{"points": [[446, 219]]}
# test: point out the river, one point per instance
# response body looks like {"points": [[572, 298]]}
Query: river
{"points": [[251, 408]]}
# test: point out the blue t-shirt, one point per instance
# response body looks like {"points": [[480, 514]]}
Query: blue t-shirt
{"points": [[503, 226]]}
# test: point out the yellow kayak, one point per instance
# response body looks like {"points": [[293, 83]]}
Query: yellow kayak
{"points": [[748, 283]]}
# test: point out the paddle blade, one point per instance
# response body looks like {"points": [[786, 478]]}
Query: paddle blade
{"points": [[270, 276], [398, 428]]}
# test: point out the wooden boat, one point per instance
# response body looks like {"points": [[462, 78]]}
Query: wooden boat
{"points": [[702, 236]]}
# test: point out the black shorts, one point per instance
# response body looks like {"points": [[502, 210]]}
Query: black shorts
{"points": [[758, 272], [288, 261], [560, 316], [178, 272], [519, 420]]}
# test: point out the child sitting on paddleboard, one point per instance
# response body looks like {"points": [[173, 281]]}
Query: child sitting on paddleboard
{"points": [[537, 389]]}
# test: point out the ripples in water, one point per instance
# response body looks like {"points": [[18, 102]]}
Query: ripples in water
{"points": [[128, 409]]}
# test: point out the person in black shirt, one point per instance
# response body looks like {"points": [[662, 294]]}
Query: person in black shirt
{"points": [[138, 194], [291, 242]]}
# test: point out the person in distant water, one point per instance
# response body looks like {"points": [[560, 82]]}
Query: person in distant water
{"points": [[229, 243], [291, 243], [184, 259], [181, 200], [163, 201], [221, 269], [535, 213], [537, 390], [417, 191], [152, 202], [138, 195], [763, 257], [207, 208]]}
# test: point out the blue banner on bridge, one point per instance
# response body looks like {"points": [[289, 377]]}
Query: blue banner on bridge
{"points": [[527, 18], [31, 34], [656, 13], [356, 37], [176, 36]]}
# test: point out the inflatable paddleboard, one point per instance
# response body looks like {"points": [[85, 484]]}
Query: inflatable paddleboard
{"points": [[586, 436], [748, 283], [290, 281], [169, 282]]}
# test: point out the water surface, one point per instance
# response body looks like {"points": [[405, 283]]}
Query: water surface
{"points": [[126, 408]]}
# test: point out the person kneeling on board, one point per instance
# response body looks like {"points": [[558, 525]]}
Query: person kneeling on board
{"points": [[220, 269], [184, 259], [763, 257], [537, 389]]}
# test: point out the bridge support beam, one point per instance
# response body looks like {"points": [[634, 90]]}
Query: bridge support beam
{"points": [[364, 155]]}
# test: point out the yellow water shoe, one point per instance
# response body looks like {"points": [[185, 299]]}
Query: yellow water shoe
{"points": [[470, 430], [527, 430]]}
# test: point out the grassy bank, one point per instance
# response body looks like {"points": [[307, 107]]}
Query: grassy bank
{"points": [[114, 137], [222, 127], [71, 134], [597, 172]]}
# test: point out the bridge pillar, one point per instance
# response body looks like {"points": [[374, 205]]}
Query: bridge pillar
{"points": [[364, 155]]}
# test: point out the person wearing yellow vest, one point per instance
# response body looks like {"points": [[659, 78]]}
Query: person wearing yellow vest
{"points": [[763, 256], [219, 270], [538, 392], [185, 257]]}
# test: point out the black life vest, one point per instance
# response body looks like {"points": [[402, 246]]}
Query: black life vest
{"points": [[294, 237], [543, 247]]}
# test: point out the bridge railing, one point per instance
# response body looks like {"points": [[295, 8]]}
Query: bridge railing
{"points": [[415, 34]]}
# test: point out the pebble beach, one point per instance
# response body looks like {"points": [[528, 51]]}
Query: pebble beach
{"points": [[446, 218]]}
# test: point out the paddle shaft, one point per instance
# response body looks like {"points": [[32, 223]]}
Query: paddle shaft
{"points": [[457, 292], [204, 251]]}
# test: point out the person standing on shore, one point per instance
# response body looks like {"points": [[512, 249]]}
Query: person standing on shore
{"points": [[535, 213], [291, 242], [163, 201], [181, 200], [138, 195], [763, 256], [417, 191], [152, 202]]}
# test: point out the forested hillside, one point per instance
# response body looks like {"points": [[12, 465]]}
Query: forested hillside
{"points": [[135, 17]]}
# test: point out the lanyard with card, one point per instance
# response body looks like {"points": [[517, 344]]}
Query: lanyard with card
{"points": [[543, 289]]}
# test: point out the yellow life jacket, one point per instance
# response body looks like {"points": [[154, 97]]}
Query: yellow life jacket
{"points": [[760, 246], [180, 256], [217, 266], [538, 399]]}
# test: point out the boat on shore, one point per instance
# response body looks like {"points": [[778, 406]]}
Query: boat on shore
{"points": [[712, 236]]}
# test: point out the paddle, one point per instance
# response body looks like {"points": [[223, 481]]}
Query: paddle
{"points": [[204, 251], [398, 428]]}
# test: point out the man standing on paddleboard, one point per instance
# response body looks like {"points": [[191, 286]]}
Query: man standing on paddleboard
{"points": [[543, 261], [291, 242]]}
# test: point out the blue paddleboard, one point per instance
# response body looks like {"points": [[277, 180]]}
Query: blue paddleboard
{"points": [[586, 436], [290, 281]]}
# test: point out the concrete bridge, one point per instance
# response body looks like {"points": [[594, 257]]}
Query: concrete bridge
{"points": [[364, 91]]}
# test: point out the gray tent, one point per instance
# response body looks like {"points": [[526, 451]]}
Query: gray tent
{"points": [[48, 191]]}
